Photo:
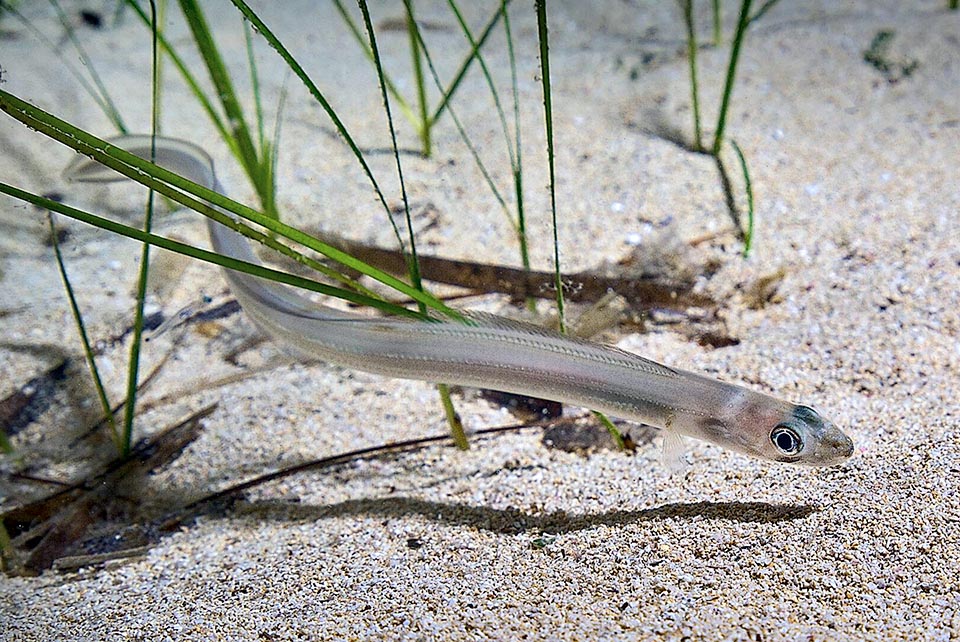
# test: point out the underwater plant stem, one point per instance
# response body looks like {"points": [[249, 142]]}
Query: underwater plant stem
{"points": [[465, 66], [765, 7], [266, 157], [457, 433], [727, 187], [717, 23], [694, 87], [133, 368], [6, 546], [84, 338], [742, 23], [518, 154], [748, 188], [412, 266], [254, 160], [612, 429], [456, 428], [513, 147], [254, 84], [424, 123], [541, 8], [220, 77]]}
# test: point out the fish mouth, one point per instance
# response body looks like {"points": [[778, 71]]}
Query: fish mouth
{"points": [[834, 448], [847, 447]]}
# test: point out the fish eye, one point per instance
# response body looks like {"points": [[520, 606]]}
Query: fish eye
{"points": [[786, 439]]}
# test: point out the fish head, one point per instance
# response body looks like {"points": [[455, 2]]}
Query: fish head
{"points": [[776, 430], [803, 436]]}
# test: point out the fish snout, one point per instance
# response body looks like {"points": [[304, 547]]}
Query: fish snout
{"points": [[835, 447]]}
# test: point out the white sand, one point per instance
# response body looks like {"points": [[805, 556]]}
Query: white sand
{"points": [[858, 198]]}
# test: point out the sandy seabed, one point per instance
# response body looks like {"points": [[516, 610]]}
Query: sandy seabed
{"points": [[857, 193]]}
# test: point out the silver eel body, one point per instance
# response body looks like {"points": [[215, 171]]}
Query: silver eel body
{"points": [[501, 354]]}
